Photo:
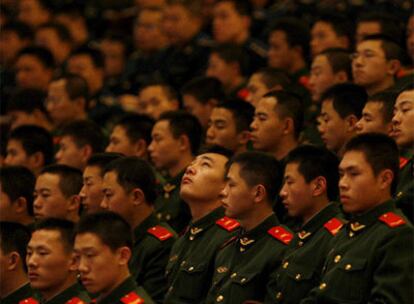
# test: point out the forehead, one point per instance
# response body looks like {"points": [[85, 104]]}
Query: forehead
{"points": [[292, 169], [162, 127], [323, 26], [29, 59], [46, 237], [152, 91], [256, 79], [92, 171], [321, 61], [81, 59], [68, 140], [374, 45], [215, 158], [222, 114], [226, 5], [405, 97], [373, 106], [15, 144], [88, 240], [267, 104], [327, 106], [119, 130], [48, 180], [278, 35], [149, 16], [369, 26], [110, 179], [353, 158]]}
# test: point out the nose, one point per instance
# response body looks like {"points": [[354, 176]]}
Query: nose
{"points": [[109, 148], [225, 191], [82, 192], [210, 133], [104, 203], [283, 193], [359, 125], [82, 267], [342, 183], [396, 118], [58, 155], [151, 147], [37, 203], [253, 125], [31, 261]]}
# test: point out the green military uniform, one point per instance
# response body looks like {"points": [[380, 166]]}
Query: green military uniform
{"points": [[152, 245], [371, 261], [302, 265], [243, 266], [169, 206], [191, 264], [127, 293], [23, 295], [75, 294], [405, 188]]}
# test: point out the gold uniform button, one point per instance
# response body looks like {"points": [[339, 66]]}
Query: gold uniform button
{"points": [[348, 267], [191, 237], [220, 298], [300, 243], [351, 234], [337, 258], [243, 280], [170, 289], [278, 295], [191, 268], [233, 275], [285, 265], [298, 276], [322, 286], [183, 263]]}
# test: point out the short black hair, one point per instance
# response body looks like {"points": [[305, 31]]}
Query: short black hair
{"points": [[387, 100], [14, 237], [391, 48], [70, 179], [34, 139], [115, 36], [316, 161], [204, 89], [380, 151], [272, 77], [289, 105], [61, 31], [137, 126], [339, 59], [75, 85], [242, 7], [339, 23], [233, 53], [183, 123], [109, 227], [42, 54], [133, 172], [22, 30], [18, 181], [347, 99], [27, 101], [241, 110], [64, 227], [94, 54], [85, 132], [216, 149], [101, 160], [168, 90], [260, 168], [389, 24]]}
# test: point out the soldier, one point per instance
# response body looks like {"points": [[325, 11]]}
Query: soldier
{"points": [[309, 189], [373, 22], [157, 98], [191, 264], [14, 285], [129, 190], [103, 243], [52, 264], [371, 260], [244, 265], [176, 138]]}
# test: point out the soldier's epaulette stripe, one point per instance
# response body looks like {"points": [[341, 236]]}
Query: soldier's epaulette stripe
{"points": [[334, 225], [132, 298], [392, 220], [228, 242], [403, 161], [160, 233], [281, 234], [75, 300], [29, 301], [227, 223]]}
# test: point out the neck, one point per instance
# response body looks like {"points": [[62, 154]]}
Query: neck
{"points": [[241, 38], [287, 144], [317, 205], [236, 81], [13, 282], [297, 65], [181, 164], [51, 293], [97, 85], [200, 209], [140, 215], [379, 87], [122, 276], [73, 216], [256, 217]]}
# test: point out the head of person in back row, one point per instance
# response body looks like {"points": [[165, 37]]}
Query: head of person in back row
{"points": [[375, 63], [52, 264], [78, 141], [131, 136], [14, 238], [330, 67], [277, 123], [341, 109], [377, 113], [200, 96], [56, 193], [29, 146], [91, 194], [403, 119], [176, 138], [229, 125], [16, 194]]}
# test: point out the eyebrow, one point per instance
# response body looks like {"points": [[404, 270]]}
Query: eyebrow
{"points": [[205, 157]]}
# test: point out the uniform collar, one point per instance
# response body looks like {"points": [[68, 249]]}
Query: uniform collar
{"points": [[22, 293], [141, 230], [198, 227], [124, 288], [248, 238], [66, 295], [324, 215]]}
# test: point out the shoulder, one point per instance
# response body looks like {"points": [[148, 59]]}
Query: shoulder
{"points": [[227, 224], [280, 233], [392, 220], [75, 300], [334, 225], [161, 233], [29, 301], [132, 298]]}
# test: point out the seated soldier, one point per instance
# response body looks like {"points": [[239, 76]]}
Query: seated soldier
{"points": [[52, 264], [129, 190], [176, 138], [341, 109], [244, 264], [371, 259], [309, 189], [16, 194], [14, 285], [29, 146], [229, 125], [131, 136], [191, 264], [78, 141], [103, 243], [56, 193], [377, 114], [156, 98], [91, 194]]}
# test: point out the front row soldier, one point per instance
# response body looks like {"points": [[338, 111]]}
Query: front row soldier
{"points": [[191, 264], [52, 265], [129, 190], [244, 264], [103, 243], [309, 189], [14, 285], [371, 259]]}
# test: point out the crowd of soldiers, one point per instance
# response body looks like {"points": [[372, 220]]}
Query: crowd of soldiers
{"points": [[196, 151]]}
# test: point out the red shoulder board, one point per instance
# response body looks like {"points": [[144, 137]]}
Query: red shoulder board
{"points": [[304, 81], [392, 220], [132, 298], [403, 162], [333, 225], [281, 234], [160, 233], [56, 140], [75, 301], [243, 93], [28, 301], [227, 223]]}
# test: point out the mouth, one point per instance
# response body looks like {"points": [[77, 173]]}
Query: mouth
{"points": [[186, 180], [32, 276], [38, 215], [344, 198]]}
